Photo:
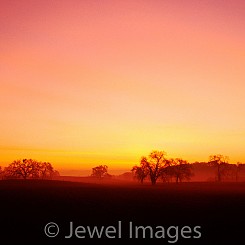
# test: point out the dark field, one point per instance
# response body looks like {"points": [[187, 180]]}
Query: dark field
{"points": [[27, 206]]}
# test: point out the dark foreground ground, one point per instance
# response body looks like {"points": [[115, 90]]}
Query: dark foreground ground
{"points": [[27, 206]]}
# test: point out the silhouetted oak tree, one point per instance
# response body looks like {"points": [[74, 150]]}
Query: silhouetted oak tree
{"points": [[99, 171], [220, 162], [30, 169], [179, 169], [140, 172], [154, 163]]}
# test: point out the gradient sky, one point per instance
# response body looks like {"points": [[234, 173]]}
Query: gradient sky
{"points": [[105, 82]]}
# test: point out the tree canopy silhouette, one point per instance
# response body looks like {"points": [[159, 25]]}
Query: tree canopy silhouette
{"points": [[100, 171], [140, 172], [179, 169], [154, 164], [30, 169], [221, 164]]}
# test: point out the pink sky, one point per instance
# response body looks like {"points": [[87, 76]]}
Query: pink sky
{"points": [[105, 82]]}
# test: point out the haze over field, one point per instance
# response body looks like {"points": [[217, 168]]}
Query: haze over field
{"points": [[105, 82]]}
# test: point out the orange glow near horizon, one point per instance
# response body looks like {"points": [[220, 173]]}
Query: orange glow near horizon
{"points": [[105, 82]]}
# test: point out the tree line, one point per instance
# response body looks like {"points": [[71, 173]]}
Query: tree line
{"points": [[29, 169], [153, 167], [156, 166]]}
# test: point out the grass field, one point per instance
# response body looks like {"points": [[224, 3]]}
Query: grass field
{"points": [[27, 206]]}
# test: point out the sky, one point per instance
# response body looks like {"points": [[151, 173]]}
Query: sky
{"points": [[84, 83]]}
